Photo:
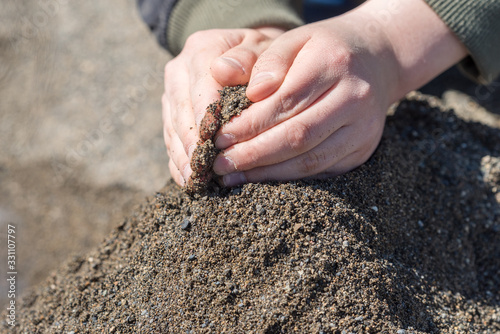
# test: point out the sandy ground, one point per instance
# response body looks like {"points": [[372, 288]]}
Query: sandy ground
{"points": [[80, 126], [408, 243]]}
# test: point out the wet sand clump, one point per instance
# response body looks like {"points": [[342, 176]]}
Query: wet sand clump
{"points": [[407, 243], [232, 102]]}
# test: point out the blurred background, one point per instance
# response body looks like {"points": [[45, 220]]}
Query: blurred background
{"points": [[80, 126]]}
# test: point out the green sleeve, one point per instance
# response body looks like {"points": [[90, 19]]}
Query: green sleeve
{"points": [[477, 24], [189, 16]]}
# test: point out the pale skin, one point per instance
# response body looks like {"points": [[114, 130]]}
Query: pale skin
{"points": [[320, 91]]}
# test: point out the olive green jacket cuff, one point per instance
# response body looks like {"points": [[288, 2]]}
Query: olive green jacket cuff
{"points": [[189, 16], [477, 24]]}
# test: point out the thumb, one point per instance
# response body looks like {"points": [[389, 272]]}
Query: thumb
{"points": [[234, 66]]}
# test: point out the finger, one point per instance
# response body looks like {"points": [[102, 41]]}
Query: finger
{"points": [[324, 158], [168, 131], [306, 82], [175, 147], [234, 66], [203, 91], [203, 87], [179, 158], [272, 66], [177, 109], [175, 173], [290, 138]]}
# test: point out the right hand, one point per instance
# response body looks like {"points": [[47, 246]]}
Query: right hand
{"points": [[209, 60]]}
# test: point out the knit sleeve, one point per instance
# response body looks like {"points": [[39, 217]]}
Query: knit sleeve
{"points": [[189, 16], [477, 24], [156, 14]]}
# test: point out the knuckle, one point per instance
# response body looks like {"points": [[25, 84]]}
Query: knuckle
{"points": [[311, 162], [248, 160], [196, 38], [287, 102], [231, 39], [342, 57], [364, 91], [273, 61], [254, 36], [254, 126], [251, 159], [297, 136]]}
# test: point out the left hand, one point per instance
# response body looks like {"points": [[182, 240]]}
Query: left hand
{"points": [[210, 60]]}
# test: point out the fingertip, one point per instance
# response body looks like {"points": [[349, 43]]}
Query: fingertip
{"points": [[225, 140], [186, 172], [233, 64], [190, 151], [234, 179], [223, 165], [261, 86], [175, 174], [229, 71]]}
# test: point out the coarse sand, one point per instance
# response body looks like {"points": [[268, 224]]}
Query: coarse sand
{"points": [[407, 243]]}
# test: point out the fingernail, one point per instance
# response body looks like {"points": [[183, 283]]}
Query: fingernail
{"points": [[191, 151], [224, 141], [233, 63], [234, 179], [183, 182], [223, 165], [186, 172], [199, 118], [260, 78]]}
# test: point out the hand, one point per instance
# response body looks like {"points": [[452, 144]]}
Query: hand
{"points": [[190, 86], [321, 92]]}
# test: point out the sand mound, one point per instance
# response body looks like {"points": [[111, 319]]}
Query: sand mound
{"points": [[407, 243]]}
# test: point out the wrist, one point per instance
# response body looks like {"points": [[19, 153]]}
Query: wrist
{"points": [[422, 44], [374, 48]]}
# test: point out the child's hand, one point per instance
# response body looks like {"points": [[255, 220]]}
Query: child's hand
{"points": [[190, 86], [322, 102], [322, 92]]}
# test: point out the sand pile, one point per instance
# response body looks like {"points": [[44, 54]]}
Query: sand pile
{"points": [[407, 243]]}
